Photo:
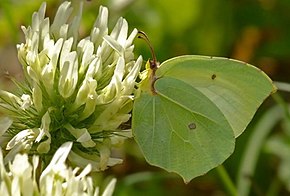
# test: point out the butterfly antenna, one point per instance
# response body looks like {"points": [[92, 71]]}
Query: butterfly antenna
{"points": [[153, 62]]}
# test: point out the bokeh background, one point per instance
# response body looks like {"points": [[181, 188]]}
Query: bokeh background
{"points": [[254, 31]]}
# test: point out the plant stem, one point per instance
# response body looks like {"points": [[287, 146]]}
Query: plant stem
{"points": [[282, 86], [253, 148], [274, 187], [226, 180]]}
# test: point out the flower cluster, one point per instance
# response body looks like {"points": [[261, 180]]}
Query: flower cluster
{"points": [[56, 179], [78, 90]]}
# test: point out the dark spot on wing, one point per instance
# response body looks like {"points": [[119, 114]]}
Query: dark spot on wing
{"points": [[213, 76], [192, 126]]}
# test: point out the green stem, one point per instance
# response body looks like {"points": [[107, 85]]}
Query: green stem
{"points": [[254, 145], [282, 86], [226, 180], [284, 105], [274, 187]]}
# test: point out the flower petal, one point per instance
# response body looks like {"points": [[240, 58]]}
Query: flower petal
{"points": [[24, 136], [68, 75], [110, 188], [5, 123]]}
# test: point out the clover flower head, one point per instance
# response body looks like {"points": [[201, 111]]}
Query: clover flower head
{"points": [[56, 179], [76, 90]]}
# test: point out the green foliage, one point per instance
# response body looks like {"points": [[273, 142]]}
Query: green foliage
{"points": [[253, 148]]}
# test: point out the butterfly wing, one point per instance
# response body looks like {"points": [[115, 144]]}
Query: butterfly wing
{"points": [[181, 130], [236, 88], [201, 104]]}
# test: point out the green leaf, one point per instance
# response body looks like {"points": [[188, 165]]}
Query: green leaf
{"points": [[200, 104]]}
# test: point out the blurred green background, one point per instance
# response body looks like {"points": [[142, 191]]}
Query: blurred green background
{"points": [[254, 31]]}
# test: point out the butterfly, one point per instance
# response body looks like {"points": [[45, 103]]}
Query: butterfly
{"points": [[190, 109]]}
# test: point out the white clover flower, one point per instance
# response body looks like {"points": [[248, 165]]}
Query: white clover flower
{"points": [[56, 179], [78, 90]]}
